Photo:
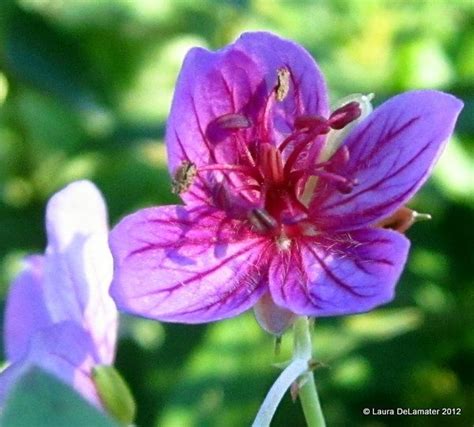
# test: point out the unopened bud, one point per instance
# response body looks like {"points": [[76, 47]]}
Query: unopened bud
{"points": [[402, 219]]}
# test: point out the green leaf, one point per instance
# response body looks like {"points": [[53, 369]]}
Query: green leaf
{"points": [[114, 393], [40, 399]]}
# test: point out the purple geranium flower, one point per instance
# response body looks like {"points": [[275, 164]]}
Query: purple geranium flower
{"points": [[284, 200], [59, 315]]}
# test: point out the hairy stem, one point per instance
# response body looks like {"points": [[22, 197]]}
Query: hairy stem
{"points": [[307, 393], [298, 371]]}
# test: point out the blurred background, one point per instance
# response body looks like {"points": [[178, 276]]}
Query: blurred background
{"points": [[85, 89]]}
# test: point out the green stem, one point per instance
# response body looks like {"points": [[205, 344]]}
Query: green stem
{"points": [[307, 393]]}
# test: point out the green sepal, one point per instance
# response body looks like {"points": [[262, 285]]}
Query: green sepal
{"points": [[114, 393]]}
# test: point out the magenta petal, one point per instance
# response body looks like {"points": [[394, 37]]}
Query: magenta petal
{"points": [[339, 274], [236, 81], [186, 265], [25, 312], [391, 154]]}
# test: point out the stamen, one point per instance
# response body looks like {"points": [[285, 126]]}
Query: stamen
{"points": [[246, 170], [299, 149], [347, 187], [344, 115], [337, 161], [271, 163], [232, 121], [250, 187], [311, 123], [336, 137], [244, 150], [262, 220], [344, 185], [294, 218], [288, 140], [219, 128]]}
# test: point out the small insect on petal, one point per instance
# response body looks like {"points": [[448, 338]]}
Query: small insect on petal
{"points": [[183, 177], [283, 85]]}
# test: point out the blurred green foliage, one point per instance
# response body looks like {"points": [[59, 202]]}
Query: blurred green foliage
{"points": [[85, 88], [40, 399]]}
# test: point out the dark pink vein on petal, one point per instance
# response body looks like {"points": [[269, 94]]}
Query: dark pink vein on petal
{"points": [[381, 181], [199, 275], [223, 298], [333, 277]]}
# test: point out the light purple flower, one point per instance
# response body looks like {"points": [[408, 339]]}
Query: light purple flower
{"points": [[59, 315], [283, 198]]}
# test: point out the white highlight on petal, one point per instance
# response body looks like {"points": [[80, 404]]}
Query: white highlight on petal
{"points": [[78, 264]]}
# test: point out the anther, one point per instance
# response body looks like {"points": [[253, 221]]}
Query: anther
{"points": [[345, 115], [232, 121], [262, 220], [343, 185], [293, 218], [219, 128], [347, 186]]}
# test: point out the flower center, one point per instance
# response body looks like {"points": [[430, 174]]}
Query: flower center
{"points": [[270, 180]]}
